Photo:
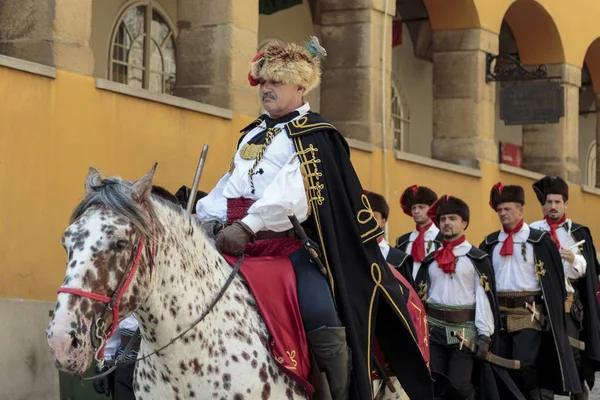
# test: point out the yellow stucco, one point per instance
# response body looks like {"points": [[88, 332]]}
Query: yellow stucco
{"points": [[53, 130], [542, 25]]}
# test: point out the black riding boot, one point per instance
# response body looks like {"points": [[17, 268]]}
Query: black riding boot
{"points": [[333, 356], [534, 395]]}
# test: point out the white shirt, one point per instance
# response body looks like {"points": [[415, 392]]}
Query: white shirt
{"points": [[515, 273], [577, 268], [384, 246], [430, 235], [280, 187], [113, 343], [462, 288]]}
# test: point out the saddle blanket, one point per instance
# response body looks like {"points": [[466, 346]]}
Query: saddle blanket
{"points": [[272, 282]]}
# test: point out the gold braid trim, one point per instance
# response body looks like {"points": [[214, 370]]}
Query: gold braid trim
{"points": [[271, 133]]}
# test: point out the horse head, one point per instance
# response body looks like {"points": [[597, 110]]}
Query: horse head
{"points": [[109, 245]]}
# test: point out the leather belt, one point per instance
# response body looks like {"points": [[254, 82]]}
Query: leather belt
{"points": [[125, 340], [452, 316], [518, 302]]}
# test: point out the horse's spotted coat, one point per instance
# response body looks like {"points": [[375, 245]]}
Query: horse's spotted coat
{"points": [[223, 357]]}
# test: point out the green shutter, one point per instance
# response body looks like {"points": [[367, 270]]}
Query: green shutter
{"points": [[272, 6]]}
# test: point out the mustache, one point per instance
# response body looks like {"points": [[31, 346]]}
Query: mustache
{"points": [[269, 96]]}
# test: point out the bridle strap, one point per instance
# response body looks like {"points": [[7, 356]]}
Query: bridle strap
{"points": [[122, 361], [113, 302]]}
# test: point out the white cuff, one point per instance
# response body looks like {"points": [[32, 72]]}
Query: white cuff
{"points": [[254, 222]]}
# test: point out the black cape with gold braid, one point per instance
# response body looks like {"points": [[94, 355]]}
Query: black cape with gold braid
{"points": [[555, 365], [588, 290], [367, 294]]}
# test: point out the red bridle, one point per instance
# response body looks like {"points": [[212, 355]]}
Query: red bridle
{"points": [[113, 302]]}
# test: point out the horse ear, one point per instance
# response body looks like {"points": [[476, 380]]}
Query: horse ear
{"points": [[93, 179], [143, 186]]}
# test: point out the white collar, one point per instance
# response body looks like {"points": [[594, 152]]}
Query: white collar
{"points": [[303, 109], [520, 236]]}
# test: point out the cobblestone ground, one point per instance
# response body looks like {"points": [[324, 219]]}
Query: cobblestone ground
{"points": [[594, 394]]}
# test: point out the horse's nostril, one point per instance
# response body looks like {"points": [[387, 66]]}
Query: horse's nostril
{"points": [[74, 340]]}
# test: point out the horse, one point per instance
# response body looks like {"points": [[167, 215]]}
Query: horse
{"points": [[131, 251]]}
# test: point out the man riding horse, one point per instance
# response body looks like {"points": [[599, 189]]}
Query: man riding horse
{"points": [[292, 159]]}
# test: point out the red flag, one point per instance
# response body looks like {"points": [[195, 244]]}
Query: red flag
{"points": [[397, 33]]}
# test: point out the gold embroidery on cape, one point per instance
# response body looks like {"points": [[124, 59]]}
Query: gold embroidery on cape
{"points": [[429, 244], [300, 125], [315, 199], [539, 270], [232, 164], [423, 287], [311, 174], [365, 216], [484, 282]]}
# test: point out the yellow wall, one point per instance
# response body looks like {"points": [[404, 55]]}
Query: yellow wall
{"points": [[53, 130]]}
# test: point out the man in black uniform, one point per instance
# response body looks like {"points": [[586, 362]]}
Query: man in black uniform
{"points": [[581, 270], [425, 238], [528, 270]]}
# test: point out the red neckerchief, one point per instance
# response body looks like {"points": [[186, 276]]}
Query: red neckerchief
{"points": [[380, 239], [418, 247], [509, 244], [553, 227], [445, 256]]}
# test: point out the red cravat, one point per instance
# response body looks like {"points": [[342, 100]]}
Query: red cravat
{"points": [[553, 227], [380, 239], [509, 244], [418, 248], [445, 256]]}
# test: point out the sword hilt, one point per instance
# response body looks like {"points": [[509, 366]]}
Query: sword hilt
{"points": [[309, 245]]}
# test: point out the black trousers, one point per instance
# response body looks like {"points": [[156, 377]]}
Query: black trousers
{"points": [[453, 362], [314, 294], [524, 346], [123, 389]]}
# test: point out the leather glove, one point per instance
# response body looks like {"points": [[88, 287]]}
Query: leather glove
{"points": [[104, 385], [212, 228], [483, 346], [234, 238]]}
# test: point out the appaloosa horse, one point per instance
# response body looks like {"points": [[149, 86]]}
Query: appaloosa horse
{"points": [[158, 263]]}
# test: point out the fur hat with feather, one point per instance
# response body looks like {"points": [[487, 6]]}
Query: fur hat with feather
{"points": [[289, 64]]}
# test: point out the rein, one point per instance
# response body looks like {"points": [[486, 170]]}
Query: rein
{"points": [[121, 360]]}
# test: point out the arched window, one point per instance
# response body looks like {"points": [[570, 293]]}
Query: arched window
{"points": [[141, 63], [400, 117], [591, 164]]}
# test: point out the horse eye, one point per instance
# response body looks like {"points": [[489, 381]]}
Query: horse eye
{"points": [[121, 244]]}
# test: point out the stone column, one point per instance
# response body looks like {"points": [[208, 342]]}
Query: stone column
{"points": [[463, 103], [351, 89], [55, 33], [553, 149], [215, 44]]}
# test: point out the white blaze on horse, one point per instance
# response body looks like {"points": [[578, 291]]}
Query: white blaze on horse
{"points": [[149, 256]]}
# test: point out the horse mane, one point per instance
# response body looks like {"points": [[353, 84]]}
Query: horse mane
{"points": [[120, 196]]}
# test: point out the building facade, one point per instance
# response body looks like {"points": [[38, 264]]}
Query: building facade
{"points": [[119, 84]]}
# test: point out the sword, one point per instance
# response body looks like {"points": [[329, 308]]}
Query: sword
{"points": [[190, 202], [489, 357], [309, 245], [542, 320]]}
